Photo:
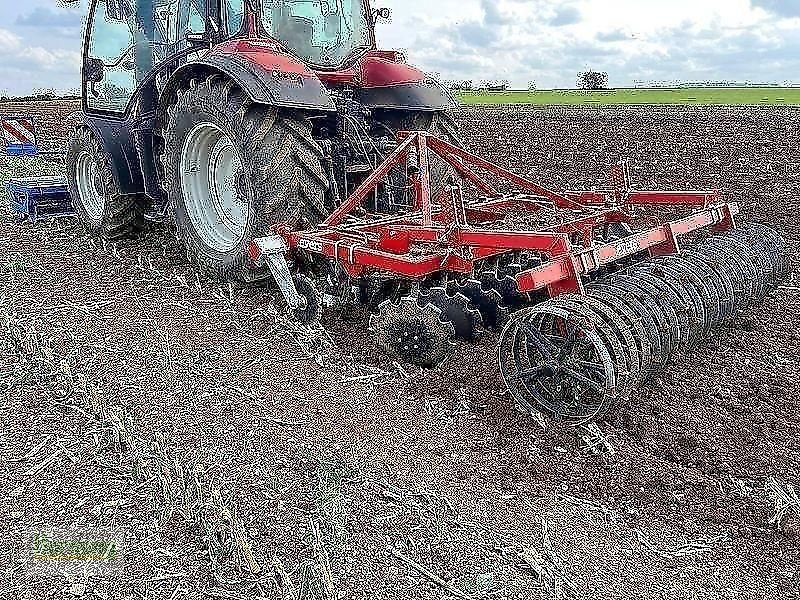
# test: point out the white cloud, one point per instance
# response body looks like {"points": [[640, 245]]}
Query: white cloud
{"points": [[62, 60], [689, 40], [547, 41], [8, 41], [35, 67]]}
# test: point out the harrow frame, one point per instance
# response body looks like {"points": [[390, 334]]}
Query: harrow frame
{"points": [[448, 234]]}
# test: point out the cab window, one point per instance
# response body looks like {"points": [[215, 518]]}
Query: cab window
{"points": [[129, 39], [234, 15], [110, 67]]}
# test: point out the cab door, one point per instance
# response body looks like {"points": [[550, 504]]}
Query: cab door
{"points": [[131, 47], [110, 69]]}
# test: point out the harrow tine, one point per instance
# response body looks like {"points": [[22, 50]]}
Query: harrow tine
{"points": [[748, 258], [488, 302], [690, 304], [662, 299], [722, 280], [612, 333], [456, 308], [699, 279]]}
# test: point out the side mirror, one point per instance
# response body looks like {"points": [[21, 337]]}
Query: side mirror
{"points": [[383, 13], [93, 70]]}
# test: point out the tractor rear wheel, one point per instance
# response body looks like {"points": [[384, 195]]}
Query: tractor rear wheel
{"points": [[233, 170], [100, 207]]}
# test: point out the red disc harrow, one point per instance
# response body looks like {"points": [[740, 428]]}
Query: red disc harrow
{"points": [[592, 297]]}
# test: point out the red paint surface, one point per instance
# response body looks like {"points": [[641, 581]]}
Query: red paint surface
{"points": [[380, 72], [264, 54], [378, 68]]}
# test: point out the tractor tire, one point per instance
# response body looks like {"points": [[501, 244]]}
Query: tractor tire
{"points": [[438, 123], [100, 207], [445, 126], [235, 169]]}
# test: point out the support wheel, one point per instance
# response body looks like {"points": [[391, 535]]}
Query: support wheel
{"points": [[310, 309], [553, 361], [101, 209]]}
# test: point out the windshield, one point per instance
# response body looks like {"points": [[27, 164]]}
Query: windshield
{"points": [[321, 32]]}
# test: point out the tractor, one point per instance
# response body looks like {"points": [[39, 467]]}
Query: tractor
{"points": [[231, 116], [288, 149]]}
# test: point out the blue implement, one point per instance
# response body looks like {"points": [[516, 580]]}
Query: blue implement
{"points": [[39, 198]]}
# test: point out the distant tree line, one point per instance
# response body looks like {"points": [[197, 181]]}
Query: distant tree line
{"points": [[593, 80], [587, 80], [486, 85], [39, 95]]}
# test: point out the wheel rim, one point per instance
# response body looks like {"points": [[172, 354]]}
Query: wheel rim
{"points": [[86, 176], [210, 166]]}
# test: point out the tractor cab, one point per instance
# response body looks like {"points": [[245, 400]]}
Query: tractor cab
{"points": [[324, 33], [128, 40]]}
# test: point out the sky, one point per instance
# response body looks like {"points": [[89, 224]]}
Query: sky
{"points": [[545, 42]]}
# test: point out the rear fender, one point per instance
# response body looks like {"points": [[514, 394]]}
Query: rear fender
{"points": [[385, 83], [116, 138], [267, 75], [423, 96]]}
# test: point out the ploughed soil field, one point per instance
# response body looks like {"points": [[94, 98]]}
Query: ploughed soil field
{"points": [[234, 454], [49, 119]]}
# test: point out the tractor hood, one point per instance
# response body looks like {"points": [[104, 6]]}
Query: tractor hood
{"points": [[383, 80]]}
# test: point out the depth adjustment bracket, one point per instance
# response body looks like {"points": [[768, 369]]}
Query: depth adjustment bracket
{"points": [[271, 251]]}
